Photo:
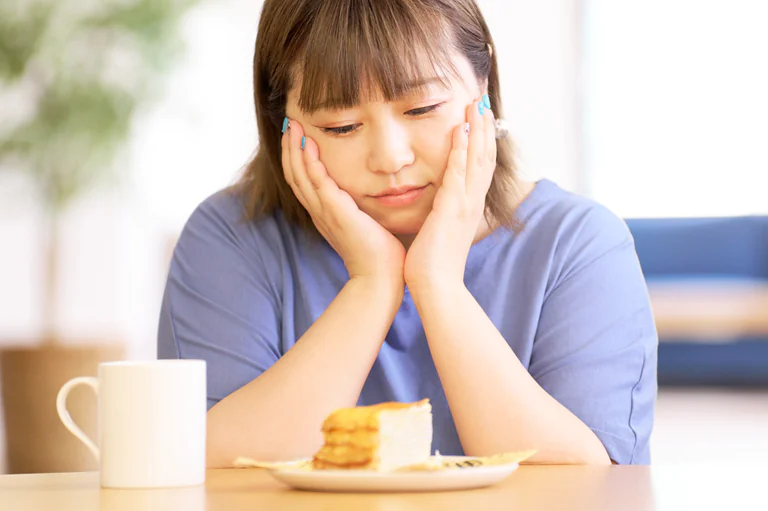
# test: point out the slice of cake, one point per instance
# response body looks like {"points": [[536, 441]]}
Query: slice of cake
{"points": [[381, 437]]}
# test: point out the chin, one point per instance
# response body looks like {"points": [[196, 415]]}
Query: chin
{"points": [[402, 222], [405, 228]]}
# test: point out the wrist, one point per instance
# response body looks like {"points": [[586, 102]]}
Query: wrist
{"points": [[435, 289], [388, 289]]}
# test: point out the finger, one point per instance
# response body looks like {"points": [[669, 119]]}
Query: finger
{"points": [[299, 171], [485, 159], [455, 175], [476, 159], [490, 151], [314, 167], [322, 184], [285, 144], [334, 202]]}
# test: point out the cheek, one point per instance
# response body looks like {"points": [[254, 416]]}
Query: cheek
{"points": [[341, 162], [434, 147]]}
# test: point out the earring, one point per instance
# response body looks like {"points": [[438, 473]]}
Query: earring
{"points": [[502, 128]]}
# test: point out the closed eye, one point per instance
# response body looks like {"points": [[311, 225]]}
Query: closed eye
{"points": [[342, 130], [416, 112], [424, 110]]}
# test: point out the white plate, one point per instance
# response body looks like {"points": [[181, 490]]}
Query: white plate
{"points": [[366, 481]]}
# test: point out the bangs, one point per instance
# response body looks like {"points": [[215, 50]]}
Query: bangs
{"points": [[360, 51]]}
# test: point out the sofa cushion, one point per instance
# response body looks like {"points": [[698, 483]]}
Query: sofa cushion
{"points": [[699, 247]]}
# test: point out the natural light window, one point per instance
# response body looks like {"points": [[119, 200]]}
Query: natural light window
{"points": [[676, 106]]}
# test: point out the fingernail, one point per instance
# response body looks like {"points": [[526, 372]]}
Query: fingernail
{"points": [[466, 128], [286, 125], [487, 101], [303, 142], [481, 107]]}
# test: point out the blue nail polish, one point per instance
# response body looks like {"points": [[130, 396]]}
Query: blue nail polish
{"points": [[303, 141], [487, 101], [481, 107], [285, 125]]}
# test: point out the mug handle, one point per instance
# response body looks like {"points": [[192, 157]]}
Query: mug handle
{"points": [[61, 407]]}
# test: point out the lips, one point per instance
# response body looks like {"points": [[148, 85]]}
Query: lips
{"points": [[395, 191], [400, 196]]}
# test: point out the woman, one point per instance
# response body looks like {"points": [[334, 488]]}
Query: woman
{"points": [[381, 247]]}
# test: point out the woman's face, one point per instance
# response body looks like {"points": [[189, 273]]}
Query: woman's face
{"points": [[391, 156]]}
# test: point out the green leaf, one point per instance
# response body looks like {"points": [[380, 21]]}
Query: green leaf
{"points": [[21, 34], [82, 116]]}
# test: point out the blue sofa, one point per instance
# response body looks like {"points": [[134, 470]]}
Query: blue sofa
{"points": [[672, 249]]}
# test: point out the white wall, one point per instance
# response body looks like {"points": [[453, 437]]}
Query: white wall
{"points": [[538, 50], [677, 107]]}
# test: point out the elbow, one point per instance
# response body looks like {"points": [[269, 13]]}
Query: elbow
{"points": [[214, 450], [598, 458], [586, 456], [215, 455], [558, 456], [228, 438], [219, 441]]}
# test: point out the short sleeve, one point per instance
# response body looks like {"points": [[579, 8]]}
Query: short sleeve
{"points": [[596, 343], [219, 304]]}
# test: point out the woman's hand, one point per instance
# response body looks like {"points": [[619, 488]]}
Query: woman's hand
{"points": [[438, 255], [369, 251]]}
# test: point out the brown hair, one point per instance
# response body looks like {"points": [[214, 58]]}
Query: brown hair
{"points": [[344, 48]]}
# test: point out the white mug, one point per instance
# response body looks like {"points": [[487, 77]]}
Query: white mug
{"points": [[152, 418]]}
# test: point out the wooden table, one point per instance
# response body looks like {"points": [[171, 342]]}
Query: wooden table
{"points": [[710, 310], [543, 488]]}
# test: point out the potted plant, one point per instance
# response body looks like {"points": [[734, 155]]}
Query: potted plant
{"points": [[74, 75]]}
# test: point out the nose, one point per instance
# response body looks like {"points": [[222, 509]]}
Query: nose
{"points": [[390, 148]]}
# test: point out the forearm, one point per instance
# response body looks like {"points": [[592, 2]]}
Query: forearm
{"points": [[278, 415], [496, 405]]}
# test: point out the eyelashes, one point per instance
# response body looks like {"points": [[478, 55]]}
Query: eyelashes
{"points": [[343, 130], [416, 112], [424, 110]]}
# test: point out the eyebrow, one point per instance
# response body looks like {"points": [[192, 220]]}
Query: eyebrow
{"points": [[425, 81], [401, 89]]}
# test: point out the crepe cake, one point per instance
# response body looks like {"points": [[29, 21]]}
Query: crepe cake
{"points": [[383, 437]]}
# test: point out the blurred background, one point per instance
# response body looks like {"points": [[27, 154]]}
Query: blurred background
{"points": [[117, 117]]}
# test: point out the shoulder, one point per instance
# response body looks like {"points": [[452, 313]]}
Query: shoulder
{"points": [[568, 216], [219, 236], [564, 233], [569, 224], [224, 211], [222, 220]]}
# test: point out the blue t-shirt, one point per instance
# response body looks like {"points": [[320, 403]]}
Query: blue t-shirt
{"points": [[566, 293]]}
